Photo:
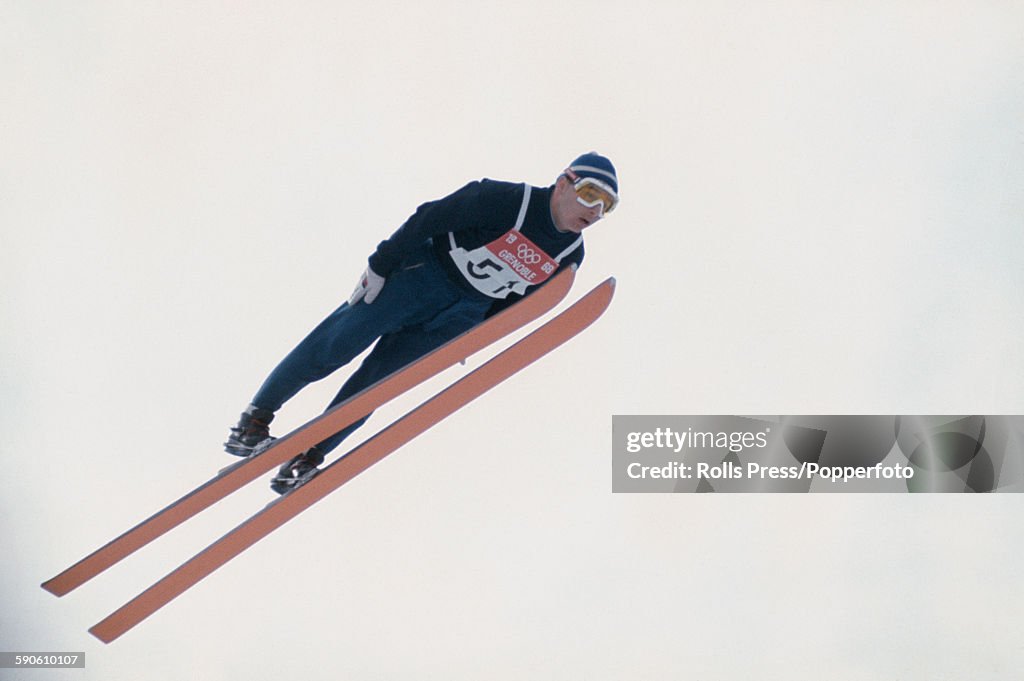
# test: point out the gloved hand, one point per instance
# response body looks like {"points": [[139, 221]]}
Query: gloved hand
{"points": [[369, 287]]}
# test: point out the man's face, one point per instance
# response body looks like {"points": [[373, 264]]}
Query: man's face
{"points": [[568, 213]]}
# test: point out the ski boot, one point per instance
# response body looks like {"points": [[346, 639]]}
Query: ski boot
{"points": [[298, 471], [253, 430]]}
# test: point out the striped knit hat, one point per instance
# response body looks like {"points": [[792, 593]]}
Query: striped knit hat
{"points": [[598, 167]]}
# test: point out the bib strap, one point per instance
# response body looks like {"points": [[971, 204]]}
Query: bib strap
{"points": [[572, 247], [520, 219], [527, 190]]}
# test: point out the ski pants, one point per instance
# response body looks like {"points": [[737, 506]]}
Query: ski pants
{"points": [[419, 309]]}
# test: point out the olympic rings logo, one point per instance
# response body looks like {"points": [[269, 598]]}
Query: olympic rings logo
{"points": [[528, 255]]}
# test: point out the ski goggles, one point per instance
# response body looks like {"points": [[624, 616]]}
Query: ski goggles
{"points": [[591, 192]]}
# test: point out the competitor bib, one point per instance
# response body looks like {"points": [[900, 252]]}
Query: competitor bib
{"points": [[509, 264]]}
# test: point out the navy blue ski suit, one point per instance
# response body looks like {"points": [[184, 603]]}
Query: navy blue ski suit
{"points": [[447, 268]]}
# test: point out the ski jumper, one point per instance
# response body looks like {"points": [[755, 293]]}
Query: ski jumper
{"points": [[453, 263]]}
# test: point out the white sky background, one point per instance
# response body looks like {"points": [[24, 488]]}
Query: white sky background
{"points": [[821, 213]]}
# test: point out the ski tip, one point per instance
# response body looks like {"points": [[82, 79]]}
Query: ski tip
{"points": [[611, 281], [574, 266], [102, 635], [49, 585]]}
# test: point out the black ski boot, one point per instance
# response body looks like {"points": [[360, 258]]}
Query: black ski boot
{"points": [[298, 471], [253, 429]]}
